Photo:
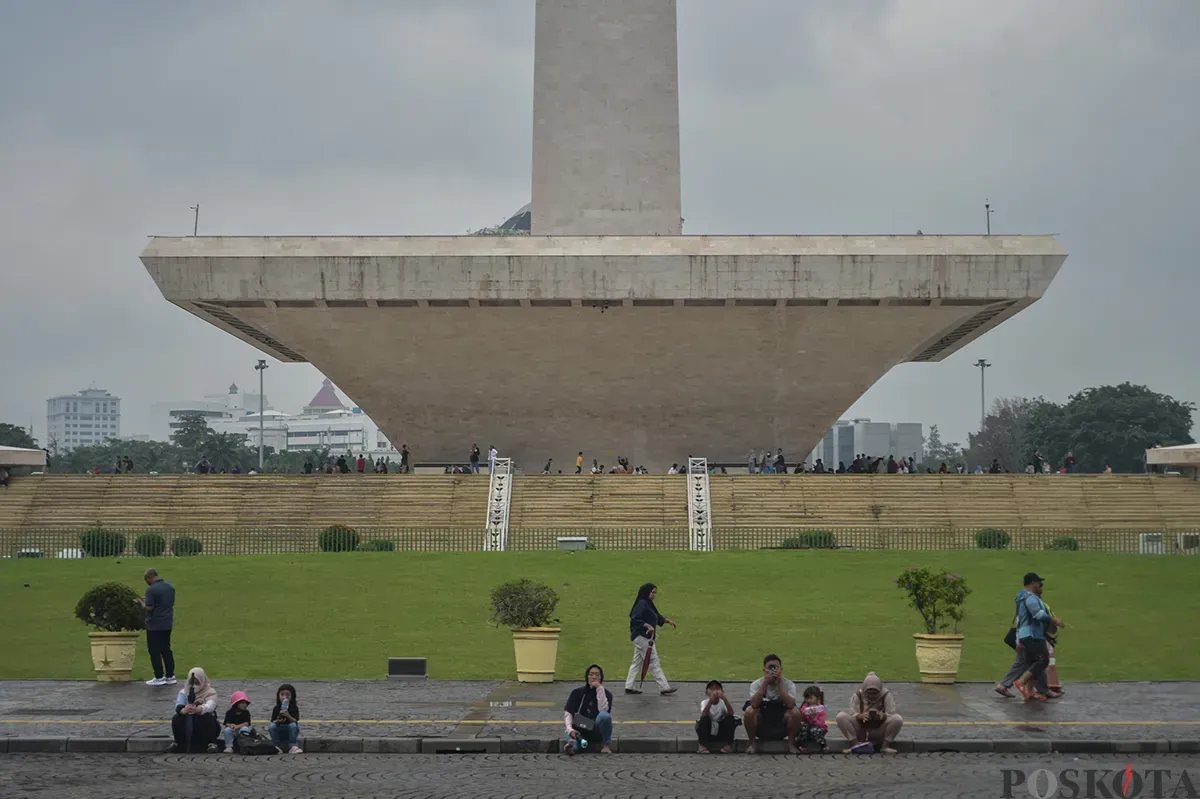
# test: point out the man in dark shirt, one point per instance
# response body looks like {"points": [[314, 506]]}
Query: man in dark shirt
{"points": [[160, 618]]}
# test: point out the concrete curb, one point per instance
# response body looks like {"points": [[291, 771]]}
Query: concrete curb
{"points": [[623, 745]]}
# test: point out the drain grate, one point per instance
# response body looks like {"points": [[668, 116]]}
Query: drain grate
{"points": [[57, 711]]}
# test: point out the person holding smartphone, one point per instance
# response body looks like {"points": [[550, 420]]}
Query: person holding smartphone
{"points": [[771, 713], [872, 723]]}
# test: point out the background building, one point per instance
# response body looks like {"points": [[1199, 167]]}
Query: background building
{"points": [[167, 416], [82, 419], [850, 437], [324, 422]]}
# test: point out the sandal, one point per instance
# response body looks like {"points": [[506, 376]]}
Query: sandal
{"points": [[1003, 691], [726, 750], [1020, 686], [703, 750]]}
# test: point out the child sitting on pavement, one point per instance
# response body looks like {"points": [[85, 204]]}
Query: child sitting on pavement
{"points": [[814, 729], [237, 719], [285, 721], [717, 724]]}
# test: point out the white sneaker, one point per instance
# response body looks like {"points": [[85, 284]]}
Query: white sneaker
{"points": [[157, 681], [169, 681]]}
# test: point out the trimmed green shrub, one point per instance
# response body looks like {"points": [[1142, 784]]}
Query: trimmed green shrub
{"points": [[523, 603], [338, 538], [813, 539], [1064, 543], [111, 608], [378, 545], [185, 546], [100, 543], [993, 538], [149, 545]]}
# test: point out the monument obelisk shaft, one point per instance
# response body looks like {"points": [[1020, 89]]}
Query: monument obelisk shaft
{"points": [[606, 118]]}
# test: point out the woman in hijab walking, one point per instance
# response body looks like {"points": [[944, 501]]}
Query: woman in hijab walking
{"points": [[588, 714], [194, 724], [644, 620]]}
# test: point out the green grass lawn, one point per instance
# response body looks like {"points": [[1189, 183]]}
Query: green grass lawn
{"points": [[829, 615]]}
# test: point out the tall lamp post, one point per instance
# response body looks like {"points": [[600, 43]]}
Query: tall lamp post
{"points": [[260, 367], [982, 364], [195, 219], [987, 208]]}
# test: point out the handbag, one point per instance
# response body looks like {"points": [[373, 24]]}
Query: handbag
{"points": [[1010, 637], [582, 724], [251, 743]]}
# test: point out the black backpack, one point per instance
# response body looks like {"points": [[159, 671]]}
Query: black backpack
{"points": [[254, 744]]}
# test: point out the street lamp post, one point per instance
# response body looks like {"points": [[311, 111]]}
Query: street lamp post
{"points": [[260, 367], [987, 207], [195, 219], [982, 364]]}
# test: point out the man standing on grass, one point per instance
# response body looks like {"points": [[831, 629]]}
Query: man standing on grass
{"points": [[160, 618]]}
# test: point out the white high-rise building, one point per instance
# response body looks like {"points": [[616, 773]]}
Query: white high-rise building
{"points": [[852, 437], [82, 419]]}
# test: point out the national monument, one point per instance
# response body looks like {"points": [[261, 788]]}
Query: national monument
{"points": [[606, 330]]}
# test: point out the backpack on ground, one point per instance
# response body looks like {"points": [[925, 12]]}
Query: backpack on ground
{"points": [[254, 744]]}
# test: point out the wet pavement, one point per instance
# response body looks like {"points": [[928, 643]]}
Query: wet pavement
{"points": [[1135, 711]]}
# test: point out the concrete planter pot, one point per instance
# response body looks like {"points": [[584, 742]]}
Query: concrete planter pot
{"points": [[537, 652], [112, 655], [938, 657]]}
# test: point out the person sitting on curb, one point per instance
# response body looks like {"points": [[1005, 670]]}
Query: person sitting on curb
{"points": [[813, 731], [285, 721], [771, 713], [872, 723], [717, 724], [194, 724], [237, 719], [588, 714]]}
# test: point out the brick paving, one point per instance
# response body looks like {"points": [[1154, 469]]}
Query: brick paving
{"points": [[464, 777]]}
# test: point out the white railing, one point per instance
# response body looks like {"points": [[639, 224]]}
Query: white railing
{"points": [[499, 500], [699, 517]]}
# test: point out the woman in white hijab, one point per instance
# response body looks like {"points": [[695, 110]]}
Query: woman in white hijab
{"points": [[194, 724]]}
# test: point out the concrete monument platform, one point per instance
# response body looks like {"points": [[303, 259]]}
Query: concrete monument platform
{"points": [[606, 331]]}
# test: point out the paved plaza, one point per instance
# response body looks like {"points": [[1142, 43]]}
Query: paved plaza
{"points": [[1157, 714], [464, 776]]}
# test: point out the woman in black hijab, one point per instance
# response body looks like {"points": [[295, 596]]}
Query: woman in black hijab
{"points": [[644, 619], [588, 714]]}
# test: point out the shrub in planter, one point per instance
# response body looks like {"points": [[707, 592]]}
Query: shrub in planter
{"points": [[378, 545], [813, 539], [100, 543], [338, 538], [185, 546], [1064, 544], [992, 538], [937, 596], [523, 603], [111, 608], [149, 545]]}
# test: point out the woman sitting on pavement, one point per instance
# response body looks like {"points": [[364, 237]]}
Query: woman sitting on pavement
{"points": [[194, 724], [588, 715], [872, 723]]}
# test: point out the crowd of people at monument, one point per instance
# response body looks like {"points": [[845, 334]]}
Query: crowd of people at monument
{"points": [[774, 708]]}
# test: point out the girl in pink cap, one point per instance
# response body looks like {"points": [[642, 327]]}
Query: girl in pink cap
{"points": [[237, 719]]}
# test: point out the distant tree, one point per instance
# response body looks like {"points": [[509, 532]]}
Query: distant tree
{"points": [[13, 436], [192, 433], [1110, 425], [1005, 433], [937, 452]]}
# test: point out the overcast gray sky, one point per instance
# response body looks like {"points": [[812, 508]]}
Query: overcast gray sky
{"points": [[1075, 117]]}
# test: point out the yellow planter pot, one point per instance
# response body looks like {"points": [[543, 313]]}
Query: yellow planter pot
{"points": [[112, 655], [938, 657], [537, 651]]}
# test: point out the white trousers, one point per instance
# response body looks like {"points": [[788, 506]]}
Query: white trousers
{"points": [[639, 657]]}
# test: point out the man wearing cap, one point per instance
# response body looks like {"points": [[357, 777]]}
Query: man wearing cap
{"points": [[1032, 618], [1019, 664]]}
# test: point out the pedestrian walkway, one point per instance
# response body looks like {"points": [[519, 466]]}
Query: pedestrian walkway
{"points": [[496, 715]]}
